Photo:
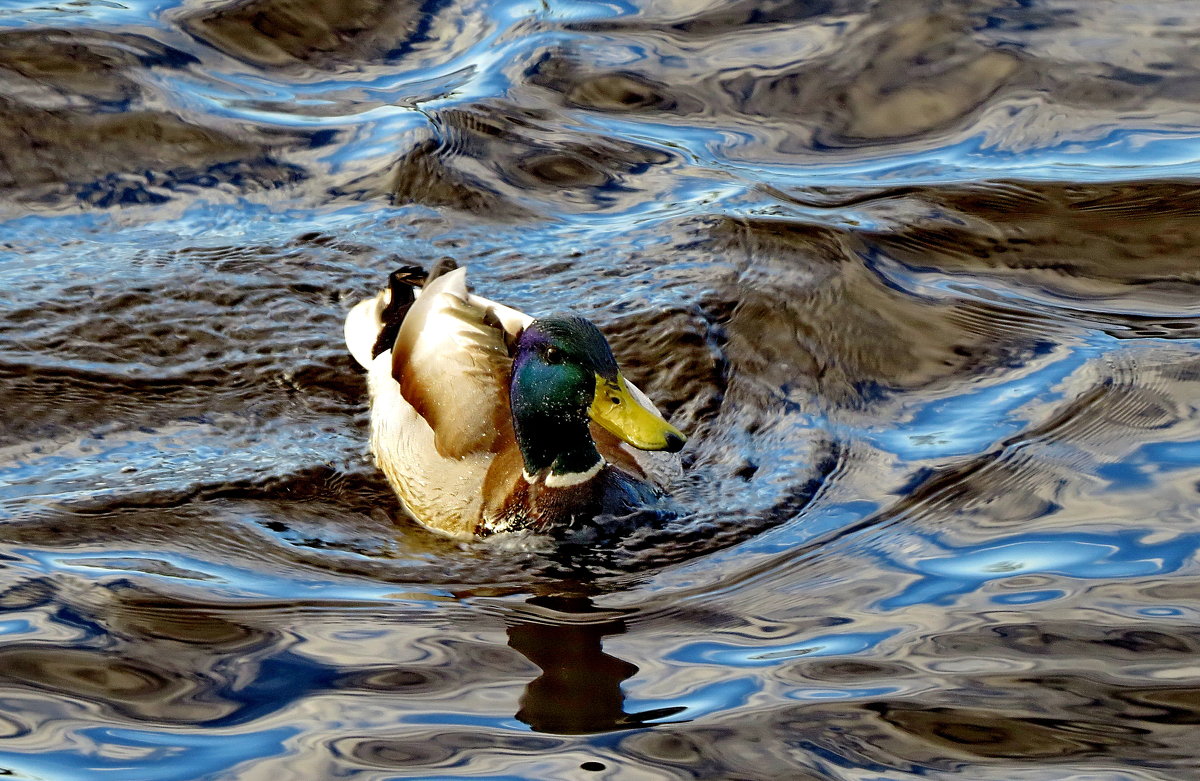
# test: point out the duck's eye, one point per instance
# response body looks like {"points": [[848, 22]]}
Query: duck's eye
{"points": [[616, 400], [552, 355]]}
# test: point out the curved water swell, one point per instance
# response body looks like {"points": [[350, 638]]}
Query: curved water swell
{"points": [[917, 279]]}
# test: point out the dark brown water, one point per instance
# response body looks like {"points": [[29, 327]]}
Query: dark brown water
{"points": [[919, 278]]}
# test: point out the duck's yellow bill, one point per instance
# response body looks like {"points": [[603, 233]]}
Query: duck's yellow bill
{"points": [[622, 413]]}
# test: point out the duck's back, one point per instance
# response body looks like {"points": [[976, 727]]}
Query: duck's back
{"points": [[439, 405]]}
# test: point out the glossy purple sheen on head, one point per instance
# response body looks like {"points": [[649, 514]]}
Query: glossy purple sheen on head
{"points": [[568, 338]]}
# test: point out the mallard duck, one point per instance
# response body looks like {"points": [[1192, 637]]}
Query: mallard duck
{"points": [[485, 420]]}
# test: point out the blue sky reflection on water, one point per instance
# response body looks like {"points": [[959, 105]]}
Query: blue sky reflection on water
{"points": [[156, 756], [1099, 556]]}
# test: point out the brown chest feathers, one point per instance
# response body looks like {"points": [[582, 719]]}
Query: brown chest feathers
{"points": [[540, 505]]}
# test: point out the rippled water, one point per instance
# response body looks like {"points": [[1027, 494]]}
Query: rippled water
{"points": [[919, 278]]}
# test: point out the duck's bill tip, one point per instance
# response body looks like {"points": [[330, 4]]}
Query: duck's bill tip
{"points": [[622, 414]]}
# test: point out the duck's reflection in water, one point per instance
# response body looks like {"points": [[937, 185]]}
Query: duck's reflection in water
{"points": [[579, 690]]}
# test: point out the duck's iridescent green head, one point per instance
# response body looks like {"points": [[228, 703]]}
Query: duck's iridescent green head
{"points": [[564, 374]]}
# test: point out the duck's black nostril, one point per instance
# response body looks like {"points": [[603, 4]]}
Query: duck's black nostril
{"points": [[674, 443]]}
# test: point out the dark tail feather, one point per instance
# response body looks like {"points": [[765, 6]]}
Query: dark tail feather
{"points": [[401, 282]]}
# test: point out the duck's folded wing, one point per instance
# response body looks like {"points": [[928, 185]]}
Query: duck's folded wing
{"points": [[453, 368]]}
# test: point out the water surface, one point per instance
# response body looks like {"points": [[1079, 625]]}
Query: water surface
{"points": [[919, 279]]}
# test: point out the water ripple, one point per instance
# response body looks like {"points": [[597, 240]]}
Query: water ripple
{"points": [[918, 280]]}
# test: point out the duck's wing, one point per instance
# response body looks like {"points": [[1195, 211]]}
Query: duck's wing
{"points": [[452, 366]]}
